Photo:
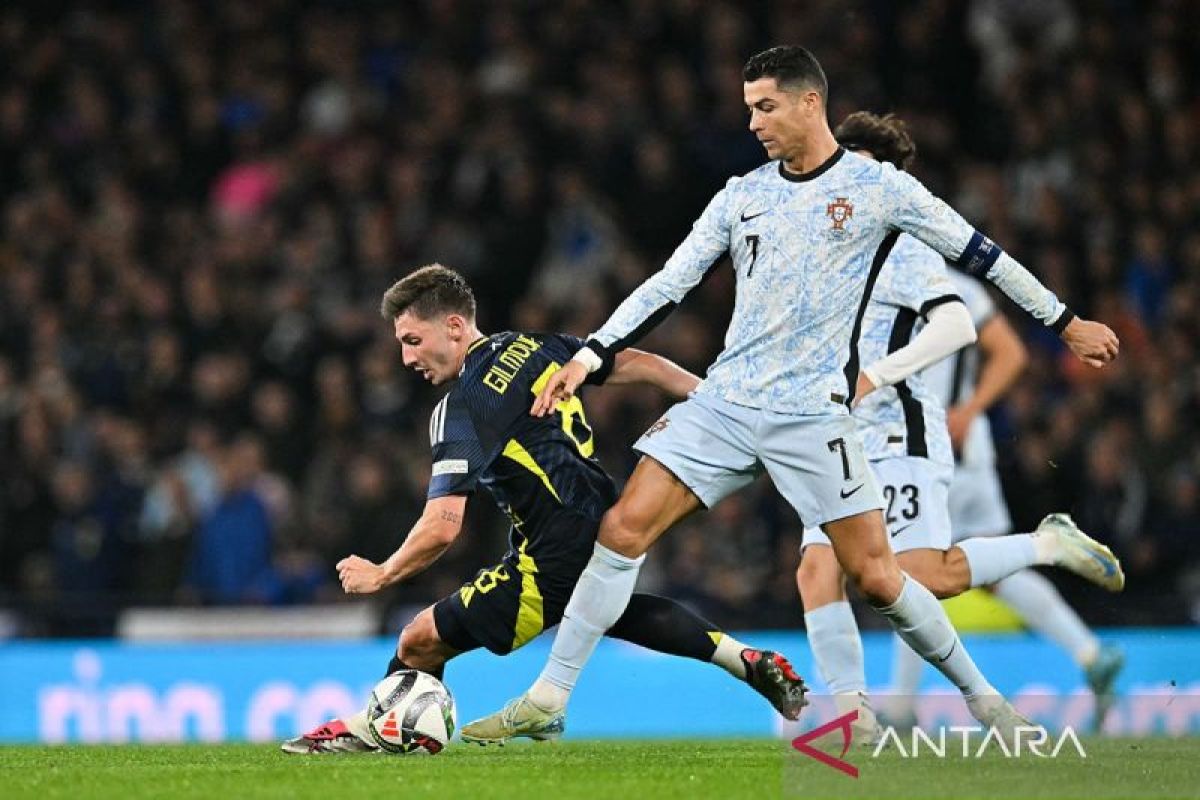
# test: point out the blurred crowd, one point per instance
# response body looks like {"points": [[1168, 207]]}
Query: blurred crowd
{"points": [[202, 203]]}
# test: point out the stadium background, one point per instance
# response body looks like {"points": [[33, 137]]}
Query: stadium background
{"points": [[202, 203]]}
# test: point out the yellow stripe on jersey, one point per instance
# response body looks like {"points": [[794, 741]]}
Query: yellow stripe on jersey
{"points": [[520, 455], [571, 411], [529, 607]]}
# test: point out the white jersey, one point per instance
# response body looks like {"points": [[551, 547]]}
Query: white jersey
{"points": [[953, 379], [806, 250], [908, 419]]}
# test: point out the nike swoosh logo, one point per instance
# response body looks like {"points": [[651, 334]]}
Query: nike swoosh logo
{"points": [[747, 217], [902, 530], [952, 646], [846, 494]]}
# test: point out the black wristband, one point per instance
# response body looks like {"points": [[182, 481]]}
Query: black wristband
{"points": [[1064, 319], [608, 360]]}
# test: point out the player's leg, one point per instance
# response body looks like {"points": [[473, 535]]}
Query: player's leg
{"points": [[819, 466], [698, 453], [667, 626], [833, 632], [653, 500], [966, 511], [916, 615], [421, 648], [979, 514], [1045, 612]]}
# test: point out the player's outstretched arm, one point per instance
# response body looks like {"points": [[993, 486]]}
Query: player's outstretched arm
{"points": [[638, 366], [436, 530], [918, 212]]}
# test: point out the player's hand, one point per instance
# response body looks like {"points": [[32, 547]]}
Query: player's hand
{"points": [[359, 576], [958, 422], [561, 386], [1093, 343], [864, 388]]}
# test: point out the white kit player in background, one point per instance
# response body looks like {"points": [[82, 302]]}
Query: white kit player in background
{"points": [[915, 318], [968, 385], [808, 233]]}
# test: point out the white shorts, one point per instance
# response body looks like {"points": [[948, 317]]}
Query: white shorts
{"points": [[716, 447], [915, 492], [977, 506]]}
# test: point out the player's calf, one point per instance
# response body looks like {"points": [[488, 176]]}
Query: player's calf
{"points": [[946, 573]]}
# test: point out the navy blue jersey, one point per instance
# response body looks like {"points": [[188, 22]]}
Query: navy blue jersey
{"points": [[539, 470]]}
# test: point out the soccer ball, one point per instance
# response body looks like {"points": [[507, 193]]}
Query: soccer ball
{"points": [[411, 712]]}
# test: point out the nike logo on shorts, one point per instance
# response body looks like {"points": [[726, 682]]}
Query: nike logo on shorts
{"points": [[846, 494], [902, 530], [747, 217]]}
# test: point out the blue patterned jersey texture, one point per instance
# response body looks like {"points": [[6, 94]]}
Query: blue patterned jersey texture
{"points": [[806, 250]]}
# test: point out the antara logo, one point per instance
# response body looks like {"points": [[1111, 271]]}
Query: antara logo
{"points": [[843, 724], [1031, 740]]}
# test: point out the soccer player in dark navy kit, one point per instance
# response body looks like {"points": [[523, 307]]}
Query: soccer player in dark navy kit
{"points": [[541, 473]]}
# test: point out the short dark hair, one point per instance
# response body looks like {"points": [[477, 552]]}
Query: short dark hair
{"points": [[428, 292], [790, 65], [886, 137]]}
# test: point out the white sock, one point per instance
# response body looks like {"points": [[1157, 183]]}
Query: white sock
{"points": [[599, 599], [728, 656], [921, 622], [994, 558], [1045, 611], [907, 667], [357, 724], [837, 647]]}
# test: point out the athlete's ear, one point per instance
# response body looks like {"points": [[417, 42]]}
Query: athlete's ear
{"points": [[455, 327], [812, 102]]}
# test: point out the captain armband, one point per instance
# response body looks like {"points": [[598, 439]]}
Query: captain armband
{"points": [[978, 256]]}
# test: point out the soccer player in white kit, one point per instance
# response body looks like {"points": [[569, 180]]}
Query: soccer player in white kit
{"points": [[916, 317], [808, 233], [968, 385]]}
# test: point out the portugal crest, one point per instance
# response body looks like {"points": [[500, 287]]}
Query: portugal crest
{"points": [[839, 211]]}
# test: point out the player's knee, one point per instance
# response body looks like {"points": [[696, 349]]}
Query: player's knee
{"points": [[418, 643], [878, 579], [622, 530], [818, 577]]}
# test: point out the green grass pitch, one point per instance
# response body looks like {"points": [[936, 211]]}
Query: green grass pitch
{"points": [[628, 770]]}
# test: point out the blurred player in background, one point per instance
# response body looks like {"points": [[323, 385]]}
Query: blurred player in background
{"points": [[968, 385], [808, 233], [916, 318], [541, 473]]}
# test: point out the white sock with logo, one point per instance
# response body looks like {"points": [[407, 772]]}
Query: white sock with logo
{"points": [[599, 599], [921, 622]]}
